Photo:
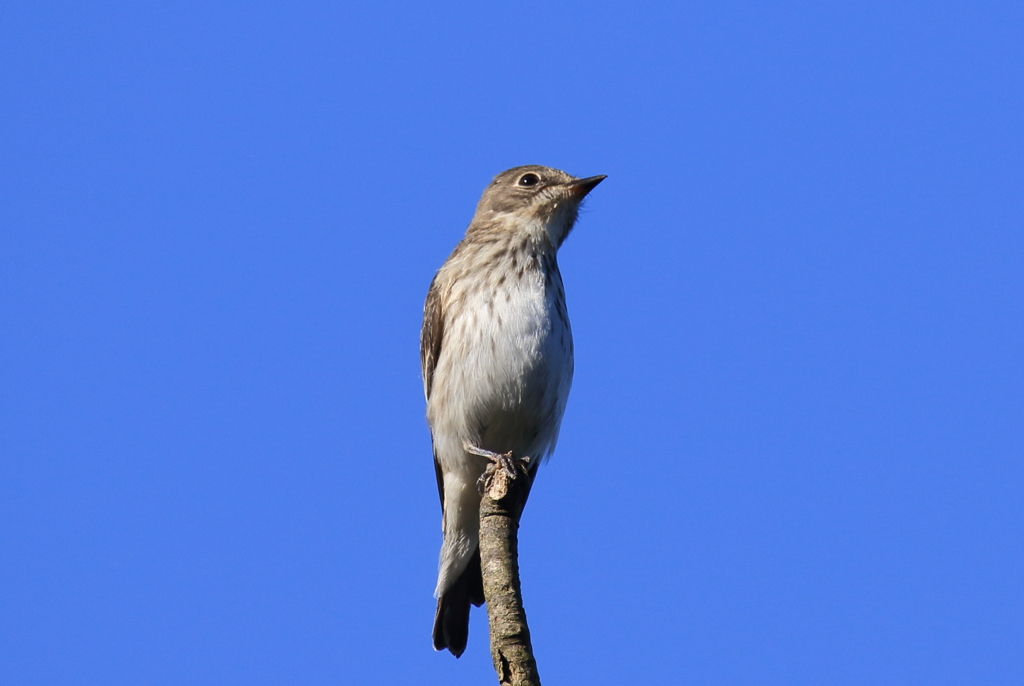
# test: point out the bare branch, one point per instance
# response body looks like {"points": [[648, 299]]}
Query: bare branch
{"points": [[506, 484]]}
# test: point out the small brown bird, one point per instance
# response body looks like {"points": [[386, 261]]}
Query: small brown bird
{"points": [[497, 358]]}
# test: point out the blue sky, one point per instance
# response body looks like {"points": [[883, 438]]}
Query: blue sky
{"points": [[793, 450]]}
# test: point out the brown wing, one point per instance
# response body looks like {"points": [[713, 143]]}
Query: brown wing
{"points": [[431, 336]]}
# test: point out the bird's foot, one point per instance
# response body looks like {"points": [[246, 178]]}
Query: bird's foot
{"points": [[512, 467]]}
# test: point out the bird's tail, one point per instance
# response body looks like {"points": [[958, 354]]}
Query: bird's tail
{"points": [[451, 622]]}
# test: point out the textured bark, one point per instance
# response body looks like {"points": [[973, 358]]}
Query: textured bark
{"points": [[506, 486]]}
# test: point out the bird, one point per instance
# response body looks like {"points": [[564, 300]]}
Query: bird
{"points": [[496, 353]]}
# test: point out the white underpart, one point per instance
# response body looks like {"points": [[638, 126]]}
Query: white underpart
{"points": [[515, 374]]}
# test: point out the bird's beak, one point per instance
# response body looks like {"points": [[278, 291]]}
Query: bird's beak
{"points": [[580, 187]]}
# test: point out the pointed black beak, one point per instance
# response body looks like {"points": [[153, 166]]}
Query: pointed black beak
{"points": [[580, 187]]}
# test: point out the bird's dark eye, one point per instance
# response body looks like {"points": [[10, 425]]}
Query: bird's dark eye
{"points": [[529, 180]]}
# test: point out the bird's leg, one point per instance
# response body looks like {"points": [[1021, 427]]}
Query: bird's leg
{"points": [[512, 467]]}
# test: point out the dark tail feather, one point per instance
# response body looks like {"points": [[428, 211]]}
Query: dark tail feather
{"points": [[451, 623]]}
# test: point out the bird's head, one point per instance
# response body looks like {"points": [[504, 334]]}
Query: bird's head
{"points": [[534, 200]]}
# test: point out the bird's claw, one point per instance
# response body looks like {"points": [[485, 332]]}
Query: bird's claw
{"points": [[512, 466]]}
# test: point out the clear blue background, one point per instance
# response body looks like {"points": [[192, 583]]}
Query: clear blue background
{"points": [[794, 451]]}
